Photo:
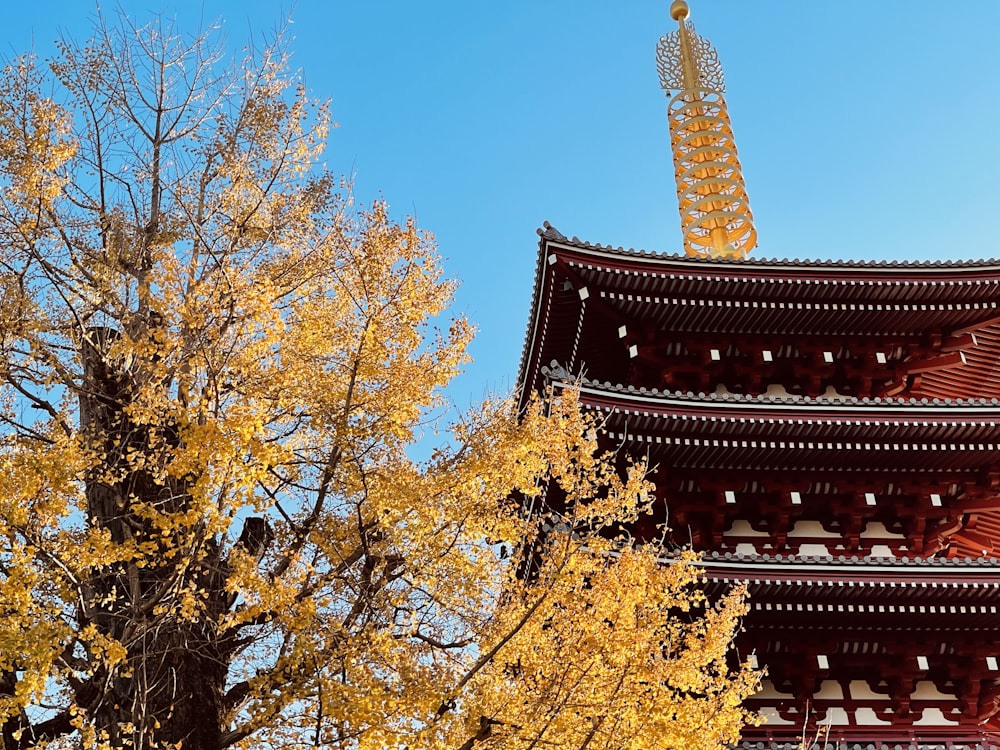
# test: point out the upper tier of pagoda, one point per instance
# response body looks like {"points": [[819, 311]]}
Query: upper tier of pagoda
{"points": [[787, 406], [800, 328]]}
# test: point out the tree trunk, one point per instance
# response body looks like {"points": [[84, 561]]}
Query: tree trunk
{"points": [[171, 688]]}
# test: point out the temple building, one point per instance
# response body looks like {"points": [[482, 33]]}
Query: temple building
{"points": [[827, 432]]}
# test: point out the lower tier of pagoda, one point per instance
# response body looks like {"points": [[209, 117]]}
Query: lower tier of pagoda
{"points": [[870, 651]]}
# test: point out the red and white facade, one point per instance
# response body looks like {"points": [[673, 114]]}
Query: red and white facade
{"points": [[827, 432]]}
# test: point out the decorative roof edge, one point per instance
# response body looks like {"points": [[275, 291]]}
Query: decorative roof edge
{"points": [[841, 745], [834, 561], [549, 233], [558, 374], [524, 387]]}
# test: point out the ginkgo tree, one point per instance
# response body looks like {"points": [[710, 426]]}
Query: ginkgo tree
{"points": [[211, 534]]}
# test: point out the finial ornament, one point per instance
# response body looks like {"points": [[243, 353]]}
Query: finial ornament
{"points": [[715, 211]]}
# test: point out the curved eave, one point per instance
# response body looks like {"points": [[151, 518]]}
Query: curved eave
{"points": [[949, 743], [826, 593], [793, 297], [761, 295], [628, 400], [783, 434], [970, 574], [621, 258], [531, 350]]}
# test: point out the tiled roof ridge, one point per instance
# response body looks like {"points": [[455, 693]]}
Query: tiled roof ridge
{"points": [[549, 232], [793, 560], [558, 372], [887, 745], [536, 290]]}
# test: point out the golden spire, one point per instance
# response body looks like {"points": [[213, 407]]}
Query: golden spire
{"points": [[715, 211]]}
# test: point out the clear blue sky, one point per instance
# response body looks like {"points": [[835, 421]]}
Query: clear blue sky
{"points": [[866, 130]]}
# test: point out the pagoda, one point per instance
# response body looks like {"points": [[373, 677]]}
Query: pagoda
{"points": [[828, 433]]}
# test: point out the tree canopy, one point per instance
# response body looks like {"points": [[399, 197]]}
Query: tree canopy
{"points": [[213, 367]]}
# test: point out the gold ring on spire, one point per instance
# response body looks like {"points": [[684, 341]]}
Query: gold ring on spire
{"points": [[715, 211]]}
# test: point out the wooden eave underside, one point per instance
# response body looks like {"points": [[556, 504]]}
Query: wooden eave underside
{"points": [[803, 307], [977, 377]]}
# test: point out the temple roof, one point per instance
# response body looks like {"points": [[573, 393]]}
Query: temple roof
{"points": [[957, 570], [856, 432], [973, 581], [804, 406], [551, 234], [935, 580], [833, 745], [588, 296]]}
